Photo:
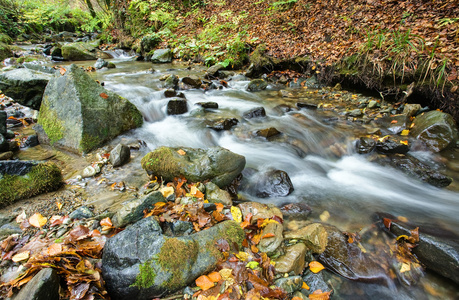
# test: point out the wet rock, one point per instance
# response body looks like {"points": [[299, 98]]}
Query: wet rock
{"points": [[410, 110], [3, 144], [141, 263], [3, 117], [270, 244], [355, 113], [43, 286], [213, 71], [132, 210], [394, 124], [208, 105], [39, 67], [216, 195], [25, 179], [6, 155], [100, 63], [120, 155], [25, 86], [162, 56], [13, 146], [193, 81], [177, 106], [293, 260], [82, 51], [31, 141], [171, 82], [257, 85], [290, 284], [273, 183], [149, 42], [169, 93], [90, 171], [316, 282], [296, 211], [79, 115], [268, 132], [348, 260], [314, 236], [216, 164], [436, 129], [256, 112], [82, 212], [9, 229], [306, 105], [5, 51], [222, 124], [365, 145], [259, 211], [391, 146], [373, 104]]}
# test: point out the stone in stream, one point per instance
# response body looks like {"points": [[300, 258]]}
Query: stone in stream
{"points": [[290, 284], [141, 263], [192, 81], [257, 85], [213, 71], [437, 249], [348, 260], [392, 145], [82, 212], [267, 132], [259, 211], [316, 282], [208, 105], [306, 105], [3, 117], [272, 183], [214, 194], [25, 86], [162, 56], [31, 141], [394, 124], [79, 115], [355, 113], [177, 106], [171, 82], [314, 236], [293, 260], [25, 179], [43, 286], [169, 93], [436, 129], [270, 244], [296, 211], [100, 63], [83, 51], [256, 112], [216, 164], [410, 110], [365, 145], [120, 155], [222, 124], [6, 155]]}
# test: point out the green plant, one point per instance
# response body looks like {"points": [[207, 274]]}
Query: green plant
{"points": [[282, 5]]}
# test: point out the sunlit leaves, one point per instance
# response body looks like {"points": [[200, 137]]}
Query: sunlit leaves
{"points": [[316, 266], [37, 220]]}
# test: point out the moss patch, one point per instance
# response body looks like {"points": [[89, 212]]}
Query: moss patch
{"points": [[147, 275], [51, 123], [161, 161], [42, 178]]}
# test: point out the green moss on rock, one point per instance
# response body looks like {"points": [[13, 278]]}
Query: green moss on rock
{"points": [[51, 123], [160, 161], [147, 275]]}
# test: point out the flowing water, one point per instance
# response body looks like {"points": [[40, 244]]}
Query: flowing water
{"points": [[350, 188]]}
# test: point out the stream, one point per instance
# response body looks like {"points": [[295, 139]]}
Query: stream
{"points": [[348, 186]]}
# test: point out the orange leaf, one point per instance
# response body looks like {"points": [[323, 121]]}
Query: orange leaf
{"points": [[37, 220], [181, 152], [245, 224], [316, 266], [62, 71], [394, 122], [103, 95], [254, 249], [106, 222], [159, 204], [204, 282], [54, 249], [319, 295], [296, 298], [268, 235], [219, 206], [387, 222], [215, 276], [305, 286]]}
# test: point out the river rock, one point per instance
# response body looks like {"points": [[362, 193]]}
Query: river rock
{"points": [[314, 236], [267, 132], [436, 129], [273, 183], [82, 51], [216, 164], [120, 155], [141, 263], [208, 105], [214, 194], [296, 211], [213, 71], [259, 211], [132, 210], [25, 86], [438, 250], [43, 286], [162, 56], [290, 284], [79, 115], [348, 260], [82, 212], [394, 124], [39, 68], [149, 42], [256, 112], [90, 171], [316, 282], [193, 81], [306, 105], [5, 51], [270, 244], [222, 124], [25, 179], [3, 122], [100, 63], [169, 93], [410, 110], [293, 260], [392, 145], [31, 141], [257, 85], [177, 106], [355, 113], [365, 145], [171, 82]]}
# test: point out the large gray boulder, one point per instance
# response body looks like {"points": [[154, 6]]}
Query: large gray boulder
{"points": [[142, 263], [43, 286], [216, 164], [162, 56], [436, 129], [25, 86], [79, 115], [83, 51]]}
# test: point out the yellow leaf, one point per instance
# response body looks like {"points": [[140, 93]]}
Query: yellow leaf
{"points": [[37, 220], [160, 204], [405, 132], [266, 222], [236, 213], [181, 152], [167, 191], [59, 205], [405, 268], [305, 286], [402, 219], [243, 256], [226, 274], [316, 266], [403, 236], [404, 142], [21, 256]]}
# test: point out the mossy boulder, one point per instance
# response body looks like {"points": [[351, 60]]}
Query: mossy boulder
{"points": [[79, 115], [216, 164], [162, 56], [5, 51], [25, 86], [436, 129], [142, 263], [82, 51], [25, 179]]}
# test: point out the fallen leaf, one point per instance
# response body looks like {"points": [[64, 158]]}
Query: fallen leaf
{"points": [[204, 282], [103, 95], [219, 206], [21, 217], [54, 249], [405, 132], [319, 295], [214, 276], [181, 152], [21, 256], [62, 71], [316, 266], [236, 213], [106, 222], [404, 143], [305, 286], [404, 268], [37, 220], [268, 235], [59, 205]]}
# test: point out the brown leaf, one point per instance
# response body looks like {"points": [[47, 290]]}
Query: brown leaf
{"points": [[319, 295], [222, 245], [103, 95]]}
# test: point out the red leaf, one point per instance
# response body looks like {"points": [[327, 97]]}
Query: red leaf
{"points": [[103, 95]]}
